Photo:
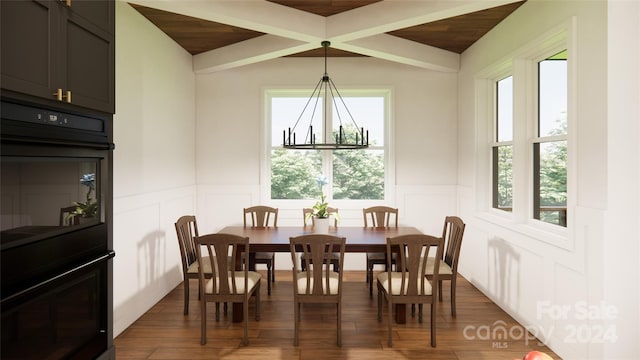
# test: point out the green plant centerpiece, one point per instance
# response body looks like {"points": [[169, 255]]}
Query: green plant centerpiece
{"points": [[89, 208], [321, 207]]}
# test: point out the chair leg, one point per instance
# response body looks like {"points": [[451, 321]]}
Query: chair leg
{"points": [[370, 277], [269, 279], [453, 296], [296, 321], [186, 296], [339, 324], [273, 267], [433, 322], [379, 304], [258, 302], [390, 323], [245, 339], [203, 322]]}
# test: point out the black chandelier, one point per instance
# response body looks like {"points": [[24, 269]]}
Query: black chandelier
{"points": [[347, 137]]}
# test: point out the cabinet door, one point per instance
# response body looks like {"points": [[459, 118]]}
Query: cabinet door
{"points": [[88, 57], [28, 47]]}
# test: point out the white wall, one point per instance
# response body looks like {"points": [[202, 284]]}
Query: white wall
{"points": [[229, 139], [154, 163], [526, 271], [622, 251]]}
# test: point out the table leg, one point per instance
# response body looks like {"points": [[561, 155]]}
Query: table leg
{"points": [[401, 314]]}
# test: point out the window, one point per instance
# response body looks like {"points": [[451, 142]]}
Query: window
{"points": [[350, 174], [503, 146], [550, 143]]}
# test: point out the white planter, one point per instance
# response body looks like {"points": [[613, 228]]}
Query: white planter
{"points": [[321, 225]]}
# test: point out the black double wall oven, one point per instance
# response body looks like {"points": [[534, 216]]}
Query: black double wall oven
{"points": [[56, 245]]}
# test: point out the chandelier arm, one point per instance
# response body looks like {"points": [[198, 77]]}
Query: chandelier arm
{"points": [[292, 130], [343, 104]]}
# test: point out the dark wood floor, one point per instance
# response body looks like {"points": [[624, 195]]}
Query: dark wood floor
{"points": [[165, 333]]}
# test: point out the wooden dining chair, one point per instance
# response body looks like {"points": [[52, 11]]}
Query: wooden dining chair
{"points": [[334, 259], [261, 217], [187, 230], [230, 281], [65, 220], [452, 232], [409, 283], [378, 216], [317, 284]]}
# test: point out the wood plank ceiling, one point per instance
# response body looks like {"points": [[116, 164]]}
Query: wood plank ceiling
{"points": [[454, 33]]}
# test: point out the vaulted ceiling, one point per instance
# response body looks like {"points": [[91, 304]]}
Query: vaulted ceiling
{"points": [[223, 34]]}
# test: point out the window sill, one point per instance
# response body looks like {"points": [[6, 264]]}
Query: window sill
{"points": [[538, 230]]}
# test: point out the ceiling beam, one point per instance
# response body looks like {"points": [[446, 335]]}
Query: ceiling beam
{"points": [[289, 31]]}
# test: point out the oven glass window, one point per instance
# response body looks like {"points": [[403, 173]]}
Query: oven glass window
{"points": [[43, 196]]}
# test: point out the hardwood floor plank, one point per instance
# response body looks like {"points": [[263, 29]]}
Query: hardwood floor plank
{"points": [[164, 333]]}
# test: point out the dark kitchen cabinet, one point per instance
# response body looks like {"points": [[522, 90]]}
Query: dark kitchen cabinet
{"points": [[62, 51]]}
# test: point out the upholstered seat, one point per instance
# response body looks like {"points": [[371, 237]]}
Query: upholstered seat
{"points": [[334, 280]]}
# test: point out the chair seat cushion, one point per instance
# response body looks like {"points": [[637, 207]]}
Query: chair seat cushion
{"points": [[193, 268], [252, 280], [444, 269], [334, 279], [396, 283]]}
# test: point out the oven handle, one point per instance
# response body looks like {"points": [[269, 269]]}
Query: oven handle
{"points": [[103, 257]]}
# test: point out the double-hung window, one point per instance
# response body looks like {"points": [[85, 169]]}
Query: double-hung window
{"points": [[529, 127], [502, 151], [350, 174], [550, 142]]}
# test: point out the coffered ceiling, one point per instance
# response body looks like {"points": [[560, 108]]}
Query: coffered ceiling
{"points": [[223, 34]]}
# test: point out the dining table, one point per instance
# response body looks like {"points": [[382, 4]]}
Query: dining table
{"points": [[359, 239]]}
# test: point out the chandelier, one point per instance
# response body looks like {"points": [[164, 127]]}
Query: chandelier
{"points": [[347, 136]]}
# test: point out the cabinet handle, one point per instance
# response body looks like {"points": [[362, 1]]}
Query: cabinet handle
{"points": [[68, 96], [68, 3], [58, 94]]}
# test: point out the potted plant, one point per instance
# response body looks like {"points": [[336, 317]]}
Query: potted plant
{"points": [[89, 208], [320, 209]]}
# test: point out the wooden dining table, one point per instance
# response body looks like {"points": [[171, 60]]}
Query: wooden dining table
{"points": [[359, 239]]}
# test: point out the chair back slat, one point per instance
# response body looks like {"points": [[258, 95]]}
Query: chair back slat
{"points": [[187, 231], [316, 250], [227, 253], [412, 251], [453, 232]]}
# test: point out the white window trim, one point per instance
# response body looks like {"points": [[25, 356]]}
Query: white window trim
{"points": [[524, 64], [389, 147]]}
